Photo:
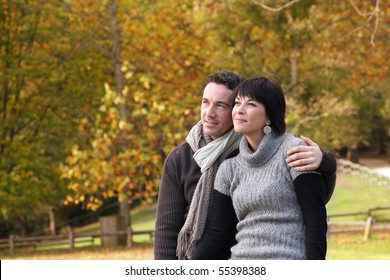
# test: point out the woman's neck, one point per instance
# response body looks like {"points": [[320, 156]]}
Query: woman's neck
{"points": [[254, 140]]}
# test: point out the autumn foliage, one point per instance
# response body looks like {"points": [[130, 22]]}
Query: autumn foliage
{"points": [[64, 139]]}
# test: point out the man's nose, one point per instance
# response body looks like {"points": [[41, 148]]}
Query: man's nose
{"points": [[211, 111]]}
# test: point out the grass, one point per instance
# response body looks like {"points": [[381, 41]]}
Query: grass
{"points": [[351, 195], [350, 246]]}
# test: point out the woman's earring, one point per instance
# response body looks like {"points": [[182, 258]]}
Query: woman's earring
{"points": [[267, 129]]}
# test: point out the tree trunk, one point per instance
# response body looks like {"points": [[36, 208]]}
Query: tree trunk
{"points": [[352, 154], [293, 70], [382, 135], [52, 219], [119, 86]]}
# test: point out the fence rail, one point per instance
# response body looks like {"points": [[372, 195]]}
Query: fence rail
{"points": [[70, 240], [370, 224]]}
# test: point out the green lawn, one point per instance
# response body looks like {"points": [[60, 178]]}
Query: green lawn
{"points": [[349, 246], [353, 194]]}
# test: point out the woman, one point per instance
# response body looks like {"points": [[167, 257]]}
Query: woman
{"points": [[281, 213]]}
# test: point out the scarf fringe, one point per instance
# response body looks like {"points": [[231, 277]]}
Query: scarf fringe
{"points": [[187, 247]]}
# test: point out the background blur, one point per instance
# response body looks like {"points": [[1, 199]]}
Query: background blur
{"points": [[95, 94]]}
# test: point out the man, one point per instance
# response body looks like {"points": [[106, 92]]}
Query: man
{"points": [[186, 187]]}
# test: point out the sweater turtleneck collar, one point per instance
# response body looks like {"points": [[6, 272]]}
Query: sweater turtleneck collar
{"points": [[267, 148]]}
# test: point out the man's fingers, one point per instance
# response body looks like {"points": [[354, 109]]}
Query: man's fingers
{"points": [[301, 155], [301, 162], [308, 141], [298, 149], [303, 168]]}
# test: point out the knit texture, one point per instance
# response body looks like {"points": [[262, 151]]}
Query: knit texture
{"points": [[178, 182], [262, 189]]}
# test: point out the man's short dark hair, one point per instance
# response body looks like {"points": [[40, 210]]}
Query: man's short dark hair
{"points": [[225, 77]]}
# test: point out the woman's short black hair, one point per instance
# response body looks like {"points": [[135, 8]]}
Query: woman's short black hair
{"points": [[270, 94]]}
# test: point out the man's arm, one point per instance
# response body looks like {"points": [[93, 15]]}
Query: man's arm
{"points": [[170, 214], [310, 191], [312, 157]]}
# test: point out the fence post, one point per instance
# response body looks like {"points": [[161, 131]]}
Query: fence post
{"points": [[71, 239], [11, 241], [367, 229], [129, 237]]}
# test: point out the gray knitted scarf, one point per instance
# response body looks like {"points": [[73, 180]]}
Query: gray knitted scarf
{"points": [[208, 155]]}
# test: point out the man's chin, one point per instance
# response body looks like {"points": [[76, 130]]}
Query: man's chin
{"points": [[211, 132]]}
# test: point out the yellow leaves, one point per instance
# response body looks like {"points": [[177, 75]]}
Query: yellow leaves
{"points": [[122, 124], [103, 108], [68, 200], [160, 107], [139, 96], [94, 203], [109, 193], [129, 75], [187, 62], [144, 111], [123, 183], [178, 136], [145, 80], [147, 171]]}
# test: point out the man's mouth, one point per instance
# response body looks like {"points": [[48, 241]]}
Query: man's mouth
{"points": [[210, 123]]}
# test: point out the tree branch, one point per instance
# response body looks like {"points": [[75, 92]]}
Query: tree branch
{"points": [[277, 9], [357, 9], [369, 16], [376, 12]]}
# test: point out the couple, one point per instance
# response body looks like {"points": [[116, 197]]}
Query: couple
{"points": [[262, 205]]}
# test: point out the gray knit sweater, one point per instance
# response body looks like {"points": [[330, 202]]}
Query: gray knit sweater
{"points": [[261, 186]]}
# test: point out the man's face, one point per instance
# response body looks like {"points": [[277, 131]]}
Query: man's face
{"points": [[216, 110]]}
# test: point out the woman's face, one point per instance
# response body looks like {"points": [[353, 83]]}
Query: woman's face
{"points": [[249, 116]]}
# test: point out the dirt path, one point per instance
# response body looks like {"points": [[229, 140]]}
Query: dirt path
{"points": [[380, 165]]}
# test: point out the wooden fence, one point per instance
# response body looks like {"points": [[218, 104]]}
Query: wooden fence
{"points": [[12, 243], [370, 222]]}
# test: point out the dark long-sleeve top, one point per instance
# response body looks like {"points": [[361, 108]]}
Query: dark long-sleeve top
{"points": [[179, 179]]}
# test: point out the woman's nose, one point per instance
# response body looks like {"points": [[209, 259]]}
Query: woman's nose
{"points": [[240, 109]]}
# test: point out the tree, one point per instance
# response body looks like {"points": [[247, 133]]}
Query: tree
{"points": [[162, 66], [45, 81], [29, 176], [308, 44]]}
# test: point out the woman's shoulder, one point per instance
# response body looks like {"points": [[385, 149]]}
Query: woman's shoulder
{"points": [[228, 164], [290, 140]]}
